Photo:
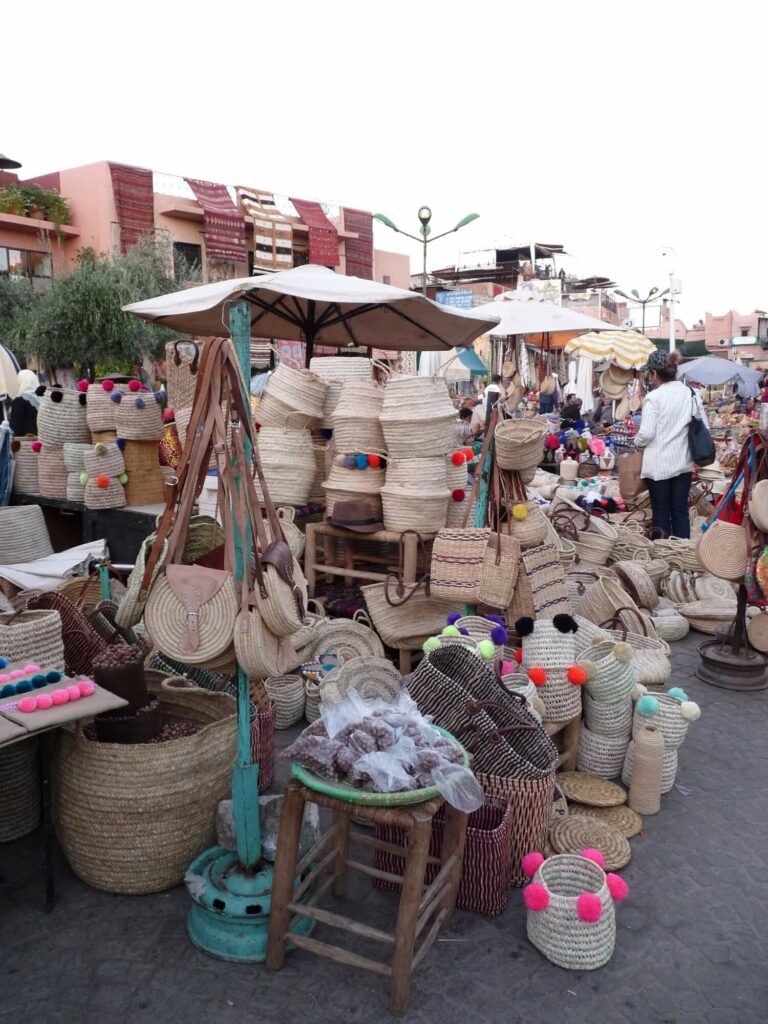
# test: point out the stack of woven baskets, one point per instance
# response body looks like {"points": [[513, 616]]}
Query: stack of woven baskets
{"points": [[609, 686], [357, 471], [671, 713], [61, 419], [335, 371]]}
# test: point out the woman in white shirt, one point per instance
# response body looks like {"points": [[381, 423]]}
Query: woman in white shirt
{"points": [[663, 434]]}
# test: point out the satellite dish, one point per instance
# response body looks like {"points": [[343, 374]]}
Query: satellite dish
{"points": [[628, 324]]}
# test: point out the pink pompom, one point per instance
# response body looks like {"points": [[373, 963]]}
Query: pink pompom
{"points": [[108, 385], [536, 896], [27, 704], [29, 669], [5, 678], [133, 385], [591, 854], [531, 863], [18, 673], [36, 446], [59, 696], [44, 701], [617, 887], [74, 692], [507, 668], [82, 385], [86, 687], [589, 908]]}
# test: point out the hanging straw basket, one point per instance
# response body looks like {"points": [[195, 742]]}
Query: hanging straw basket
{"points": [[405, 625], [288, 463], [414, 509], [418, 417], [528, 529], [335, 371], [344, 484], [287, 694], [23, 536], [20, 791], [356, 426], [519, 444], [61, 417], [25, 479], [52, 473], [181, 362], [290, 391]]}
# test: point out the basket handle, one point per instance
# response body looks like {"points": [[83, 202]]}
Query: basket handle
{"points": [[287, 512], [177, 354]]}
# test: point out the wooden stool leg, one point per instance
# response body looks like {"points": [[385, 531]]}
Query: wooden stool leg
{"points": [[349, 561], [410, 557], [329, 555], [408, 913], [454, 837], [341, 845], [283, 877], [571, 737], [406, 661], [310, 558]]}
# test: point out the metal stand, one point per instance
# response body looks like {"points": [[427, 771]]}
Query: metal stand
{"points": [[730, 662]]}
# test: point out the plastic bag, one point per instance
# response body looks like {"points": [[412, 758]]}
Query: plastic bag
{"points": [[386, 771], [459, 787], [354, 709]]}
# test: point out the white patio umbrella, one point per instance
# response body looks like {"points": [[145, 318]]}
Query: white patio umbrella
{"points": [[527, 316], [315, 305]]}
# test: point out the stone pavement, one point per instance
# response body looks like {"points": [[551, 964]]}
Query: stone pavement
{"points": [[692, 941]]}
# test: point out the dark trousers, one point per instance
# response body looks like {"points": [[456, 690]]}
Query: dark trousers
{"points": [[669, 502]]}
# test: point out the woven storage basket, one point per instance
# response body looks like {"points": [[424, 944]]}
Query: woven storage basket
{"points": [[668, 767], [414, 509], [23, 536], [531, 803], [667, 719], [629, 543], [530, 530], [312, 702], [356, 426], [608, 717], [455, 476], [427, 473], [287, 694], [145, 484], [637, 583], [335, 371], [499, 571], [671, 627], [183, 416], [111, 496], [457, 563], [181, 361], [68, 640], [602, 755], [75, 487], [558, 932], [25, 479], [459, 511], [603, 600], [650, 656], [608, 677], [374, 678], [418, 418], [345, 638], [519, 444], [20, 790], [74, 456], [104, 460], [139, 416], [130, 817], [51, 471], [292, 391], [288, 463], [406, 625], [591, 547], [675, 551], [344, 484], [62, 417], [101, 409]]}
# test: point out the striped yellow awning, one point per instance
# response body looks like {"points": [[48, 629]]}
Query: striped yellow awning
{"points": [[626, 349]]}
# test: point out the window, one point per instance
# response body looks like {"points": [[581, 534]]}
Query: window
{"points": [[745, 332], [27, 263], [186, 254], [386, 279]]}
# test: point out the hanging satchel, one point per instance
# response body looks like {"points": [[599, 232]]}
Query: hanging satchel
{"points": [[700, 440]]}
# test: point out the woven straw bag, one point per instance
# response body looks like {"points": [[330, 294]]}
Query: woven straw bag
{"points": [[430, 473], [131, 817], [75, 487], [637, 583], [604, 599], [413, 509], [81, 642], [458, 557], [259, 652], [292, 391], [74, 457], [529, 530], [519, 444], [102, 408], [346, 638], [284, 616], [650, 655], [25, 479], [372, 677], [145, 484], [287, 694], [293, 535], [610, 676], [531, 803], [557, 931], [723, 550], [406, 624], [139, 416], [103, 460], [51, 471], [104, 492], [335, 371], [601, 755], [23, 536], [32, 636], [608, 717], [669, 718], [668, 767], [20, 791], [498, 573], [684, 553], [288, 462], [62, 417], [181, 362], [304, 636], [344, 484], [417, 417], [545, 578], [356, 426]]}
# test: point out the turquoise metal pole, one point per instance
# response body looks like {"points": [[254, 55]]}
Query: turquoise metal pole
{"points": [[245, 774]]}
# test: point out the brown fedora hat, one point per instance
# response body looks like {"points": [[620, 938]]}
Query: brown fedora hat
{"points": [[354, 514]]}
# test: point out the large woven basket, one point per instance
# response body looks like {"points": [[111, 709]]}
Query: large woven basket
{"points": [[23, 536], [428, 473], [601, 755], [668, 767], [288, 463], [608, 677], [532, 529], [356, 426], [287, 694], [103, 460], [139, 416], [406, 625], [181, 361], [62, 417], [637, 583], [32, 636], [292, 391], [75, 487], [413, 509], [111, 495], [608, 717], [519, 443], [335, 371], [74, 456], [19, 791], [531, 802], [344, 484], [650, 656], [145, 484], [130, 817], [101, 408], [604, 599], [667, 719], [52, 473], [418, 417], [25, 479]]}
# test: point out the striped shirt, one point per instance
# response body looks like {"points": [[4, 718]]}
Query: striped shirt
{"points": [[664, 431]]}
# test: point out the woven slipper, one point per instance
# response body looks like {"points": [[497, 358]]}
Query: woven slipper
{"points": [[579, 832], [586, 788]]}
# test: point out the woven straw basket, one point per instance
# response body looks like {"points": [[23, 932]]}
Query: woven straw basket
{"points": [[346, 638], [111, 496], [25, 479], [312, 702], [429, 473], [531, 530], [335, 371], [103, 460], [130, 817], [413, 509], [23, 536], [356, 426], [62, 417], [558, 932], [608, 678], [166, 622], [409, 624], [608, 717], [519, 443], [680, 553], [418, 417], [74, 457], [374, 679], [32, 636], [287, 694], [288, 463], [343, 484], [75, 488], [668, 767], [181, 361], [20, 791], [601, 755], [292, 391], [637, 583], [52, 473], [101, 409], [139, 416], [668, 720], [145, 484]]}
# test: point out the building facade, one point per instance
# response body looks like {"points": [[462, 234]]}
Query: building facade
{"points": [[733, 335]]}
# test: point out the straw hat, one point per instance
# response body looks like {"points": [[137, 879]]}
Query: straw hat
{"points": [[623, 409], [614, 380]]}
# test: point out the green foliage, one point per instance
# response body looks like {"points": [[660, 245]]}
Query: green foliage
{"points": [[80, 320], [22, 200], [16, 300]]}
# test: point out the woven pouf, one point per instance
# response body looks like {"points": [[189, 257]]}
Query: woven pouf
{"points": [[668, 768], [581, 832], [571, 918], [19, 790], [622, 818], [670, 714], [608, 718], [590, 789], [601, 755]]}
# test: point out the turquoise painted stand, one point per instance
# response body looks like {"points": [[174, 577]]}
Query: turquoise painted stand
{"points": [[482, 503], [232, 892]]}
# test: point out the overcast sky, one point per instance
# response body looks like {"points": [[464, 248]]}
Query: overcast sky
{"points": [[614, 129]]}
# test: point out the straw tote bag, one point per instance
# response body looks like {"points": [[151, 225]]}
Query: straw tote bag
{"points": [[181, 362], [501, 560]]}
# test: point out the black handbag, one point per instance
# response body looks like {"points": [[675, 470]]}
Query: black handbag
{"points": [[699, 438]]}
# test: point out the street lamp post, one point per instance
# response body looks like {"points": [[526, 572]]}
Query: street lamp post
{"points": [[425, 216], [674, 286], [634, 296]]}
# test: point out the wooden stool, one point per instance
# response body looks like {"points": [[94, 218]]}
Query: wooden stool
{"points": [[570, 734], [420, 910]]}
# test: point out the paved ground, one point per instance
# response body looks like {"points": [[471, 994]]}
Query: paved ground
{"points": [[692, 939]]}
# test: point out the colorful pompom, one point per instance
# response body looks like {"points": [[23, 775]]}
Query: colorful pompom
{"points": [[38, 681], [458, 494], [160, 396], [617, 887], [82, 399], [168, 416], [120, 443], [17, 674], [577, 675], [57, 396], [361, 461], [117, 397], [486, 649], [28, 704], [3, 662], [537, 676], [139, 403], [647, 705], [24, 686], [40, 390], [519, 512], [690, 710], [108, 385], [59, 696], [469, 452], [595, 855], [9, 690], [450, 631], [463, 630], [5, 678], [497, 619], [453, 618], [531, 863], [374, 461], [350, 461], [677, 691], [74, 692], [499, 636], [87, 687], [82, 385], [506, 668], [44, 701], [102, 481], [536, 897], [518, 655], [133, 385], [431, 644], [589, 908], [36, 446], [622, 652], [458, 458], [53, 676], [123, 478]]}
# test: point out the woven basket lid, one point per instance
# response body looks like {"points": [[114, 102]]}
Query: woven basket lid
{"points": [[590, 789], [723, 552], [622, 818], [575, 833], [757, 631]]}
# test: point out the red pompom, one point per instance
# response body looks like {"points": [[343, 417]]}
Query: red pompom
{"points": [[374, 461], [537, 676], [536, 896], [617, 887], [168, 416], [531, 863], [469, 452], [36, 446], [519, 655], [458, 494], [108, 385], [594, 855], [577, 675], [102, 481], [82, 385], [134, 385], [589, 907], [458, 458]]}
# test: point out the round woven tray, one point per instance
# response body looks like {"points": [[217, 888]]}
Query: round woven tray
{"points": [[575, 833], [622, 818], [590, 789]]}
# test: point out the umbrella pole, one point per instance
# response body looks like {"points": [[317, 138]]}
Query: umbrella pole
{"points": [[309, 332]]}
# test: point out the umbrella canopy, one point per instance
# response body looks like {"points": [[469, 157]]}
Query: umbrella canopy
{"points": [[314, 304], [528, 316], [7, 163], [626, 349], [9, 368], [712, 371]]}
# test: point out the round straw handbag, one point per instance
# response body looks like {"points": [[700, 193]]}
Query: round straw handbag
{"points": [[25, 479], [139, 416], [23, 536], [558, 931], [601, 755], [608, 717], [670, 626], [101, 408], [287, 694], [519, 444], [288, 462], [346, 638], [356, 426], [51, 471], [414, 509], [344, 484], [527, 523], [61, 416], [20, 791], [723, 550], [668, 767], [373, 678], [290, 391], [758, 505], [637, 583]]}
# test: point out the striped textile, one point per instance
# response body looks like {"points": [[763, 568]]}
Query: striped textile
{"points": [[323, 236], [626, 349], [272, 232], [359, 251], [224, 223], [135, 203]]}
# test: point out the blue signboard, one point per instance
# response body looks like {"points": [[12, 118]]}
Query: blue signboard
{"points": [[460, 299]]}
